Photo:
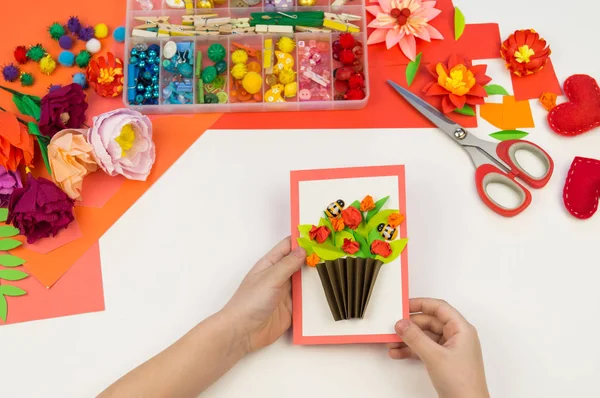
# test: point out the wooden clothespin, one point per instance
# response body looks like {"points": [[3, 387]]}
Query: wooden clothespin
{"points": [[143, 33], [242, 31], [150, 22], [268, 56], [189, 6], [311, 29], [251, 52], [340, 26]]}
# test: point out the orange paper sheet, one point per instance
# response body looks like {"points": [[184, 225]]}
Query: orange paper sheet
{"points": [[532, 87], [98, 188], [509, 115]]}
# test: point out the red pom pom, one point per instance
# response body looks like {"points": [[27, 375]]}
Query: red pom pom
{"points": [[341, 86], [21, 55], [356, 81], [347, 57], [355, 94], [347, 41], [343, 73]]}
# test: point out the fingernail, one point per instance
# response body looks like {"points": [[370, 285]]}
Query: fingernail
{"points": [[402, 326], [299, 252]]}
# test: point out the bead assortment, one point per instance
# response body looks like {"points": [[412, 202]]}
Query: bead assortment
{"points": [[349, 80], [314, 70], [211, 78], [178, 88], [246, 82], [143, 74]]}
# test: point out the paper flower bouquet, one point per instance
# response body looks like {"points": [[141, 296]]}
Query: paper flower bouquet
{"points": [[349, 247]]}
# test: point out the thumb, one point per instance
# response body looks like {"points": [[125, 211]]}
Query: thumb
{"points": [[283, 270], [418, 341]]}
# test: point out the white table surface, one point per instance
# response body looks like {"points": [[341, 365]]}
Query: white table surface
{"points": [[529, 284]]}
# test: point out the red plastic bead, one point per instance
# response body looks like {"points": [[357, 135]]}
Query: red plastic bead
{"points": [[347, 57], [347, 41], [344, 73], [402, 20], [341, 86], [356, 81], [405, 12], [395, 12], [355, 94]]}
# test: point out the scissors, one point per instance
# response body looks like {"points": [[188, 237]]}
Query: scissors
{"points": [[495, 163]]}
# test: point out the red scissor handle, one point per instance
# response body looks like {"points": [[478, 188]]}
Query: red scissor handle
{"points": [[488, 174], [506, 151]]}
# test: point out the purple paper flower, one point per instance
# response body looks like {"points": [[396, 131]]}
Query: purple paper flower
{"points": [[86, 34], [10, 72], [9, 181], [61, 109], [40, 209], [74, 25]]}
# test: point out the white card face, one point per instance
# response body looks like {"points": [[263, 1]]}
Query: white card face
{"points": [[386, 304]]}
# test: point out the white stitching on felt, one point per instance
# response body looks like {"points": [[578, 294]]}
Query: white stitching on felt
{"points": [[568, 93], [566, 191]]}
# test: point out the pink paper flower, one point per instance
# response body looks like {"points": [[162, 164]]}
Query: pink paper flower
{"points": [[122, 143], [402, 22]]}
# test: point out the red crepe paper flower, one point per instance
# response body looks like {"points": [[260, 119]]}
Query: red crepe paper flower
{"points": [[352, 217], [105, 75], [16, 145], [459, 82], [381, 248], [525, 52], [350, 247], [337, 223], [313, 260], [61, 109], [319, 234], [367, 203], [394, 220]]}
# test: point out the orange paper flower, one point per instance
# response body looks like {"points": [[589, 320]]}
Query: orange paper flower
{"points": [[459, 82], [350, 247], [381, 248], [105, 75], [525, 52], [548, 100], [367, 203], [319, 234], [16, 145], [313, 260], [395, 219], [337, 223], [352, 217]]}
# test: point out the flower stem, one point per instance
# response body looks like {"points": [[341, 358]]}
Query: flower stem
{"points": [[10, 90], [18, 118]]}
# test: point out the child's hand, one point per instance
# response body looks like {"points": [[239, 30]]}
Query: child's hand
{"points": [[262, 306], [447, 344]]}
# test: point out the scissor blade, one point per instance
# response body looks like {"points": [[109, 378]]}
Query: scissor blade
{"points": [[435, 116]]}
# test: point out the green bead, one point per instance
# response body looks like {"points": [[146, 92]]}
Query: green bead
{"points": [[216, 52], [219, 82], [211, 99], [221, 66], [209, 74]]}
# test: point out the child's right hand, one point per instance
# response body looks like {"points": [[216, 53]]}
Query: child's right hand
{"points": [[448, 345]]}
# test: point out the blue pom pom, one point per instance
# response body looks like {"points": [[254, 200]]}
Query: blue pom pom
{"points": [[119, 34], [79, 78], [66, 58]]}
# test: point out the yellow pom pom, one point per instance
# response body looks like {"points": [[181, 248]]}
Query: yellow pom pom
{"points": [[286, 44], [239, 71], [47, 65], [287, 75], [252, 82], [101, 31], [290, 90], [239, 57]]}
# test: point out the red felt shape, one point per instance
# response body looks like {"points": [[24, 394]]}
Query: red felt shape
{"points": [[582, 187], [582, 113]]}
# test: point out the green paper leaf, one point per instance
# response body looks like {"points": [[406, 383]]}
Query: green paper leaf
{"points": [[412, 69], [397, 249], [327, 251], [7, 231], [3, 308], [505, 135], [378, 205], [356, 205], [9, 244], [459, 23], [27, 106], [467, 110], [379, 218], [365, 248], [375, 235], [304, 229], [44, 151], [8, 260], [340, 236], [495, 89], [12, 274], [12, 291], [307, 245], [3, 215]]}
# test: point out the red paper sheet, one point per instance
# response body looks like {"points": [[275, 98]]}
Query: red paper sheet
{"points": [[64, 237], [533, 86]]}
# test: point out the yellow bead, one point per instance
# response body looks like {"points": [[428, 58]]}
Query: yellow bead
{"points": [[239, 57], [290, 90], [101, 31], [307, 3], [252, 82], [239, 71]]}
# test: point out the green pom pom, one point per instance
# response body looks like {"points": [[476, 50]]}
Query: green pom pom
{"points": [[83, 59], [26, 79], [36, 53], [56, 31]]}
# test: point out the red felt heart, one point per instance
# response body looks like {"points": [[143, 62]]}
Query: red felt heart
{"points": [[583, 112], [582, 188]]}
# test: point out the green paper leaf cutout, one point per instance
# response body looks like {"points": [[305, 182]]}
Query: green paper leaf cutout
{"points": [[378, 205], [397, 249], [412, 69], [27, 106], [340, 236], [356, 205], [34, 129], [459, 23], [379, 218], [374, 235], [3, 215], [9, 244], [44, 151], [328, 252], [12, 274], [495, 89], [304, 230], [3, 308], [505, 135], [365, 248], [8, 260], [467, 110], [307, 245], [7, 231], [11, 291]]}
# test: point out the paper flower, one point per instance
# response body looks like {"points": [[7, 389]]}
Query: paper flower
{"points": [[71, 159], [105, 75], [9, 181], [313, 260], [459, 82], [122, 143], [367, 203], [350, 247], [525, 52], [16, 145], [548, 101], [337, 223], [40, 209], [320, 234], [352, 217], [394, 220], [62, 109], [381, 248], [402, 22]]}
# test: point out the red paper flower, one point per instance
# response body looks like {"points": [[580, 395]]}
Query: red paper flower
{"points": [[459, 82], [381, 248], [319, 234], [105, 75], [352, 217], [350, 247], [61, 109], [525, 52], [313, 260], [337, 223]]}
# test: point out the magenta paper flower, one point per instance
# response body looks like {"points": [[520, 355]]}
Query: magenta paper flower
{"points": [[402, 22]]}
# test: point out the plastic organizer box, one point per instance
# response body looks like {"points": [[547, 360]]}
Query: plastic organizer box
{"points": [[320, 91]]}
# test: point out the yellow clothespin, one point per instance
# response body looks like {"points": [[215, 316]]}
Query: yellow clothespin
{"points": [[340, 26]]}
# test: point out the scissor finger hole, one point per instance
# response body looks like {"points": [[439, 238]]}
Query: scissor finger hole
{"points": [[503, 191], [530, 160]]}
